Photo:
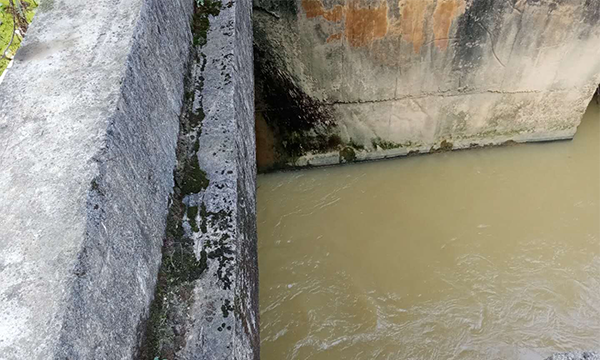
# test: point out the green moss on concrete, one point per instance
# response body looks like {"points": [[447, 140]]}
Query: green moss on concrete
{"points": [[386, 144], [197, 118], [180, 268], [300, 143], [446, 145], [192, 213], [203, 218], [347, 154], [196, 146], [194, 179], [201, 20], [6, 29]]}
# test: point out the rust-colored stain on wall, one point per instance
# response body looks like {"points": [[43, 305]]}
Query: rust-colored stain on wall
{"points": [[413, 21], [334, 37], [315, 8], [363, 25], [415, 24], [420, 21], [444, 14]]}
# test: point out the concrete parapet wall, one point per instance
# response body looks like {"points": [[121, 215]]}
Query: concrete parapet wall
{"points": [[88, 130], [379, 78]]}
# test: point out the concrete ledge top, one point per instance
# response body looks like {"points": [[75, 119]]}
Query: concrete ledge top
{"points": [[88, 129], [55, 110]]}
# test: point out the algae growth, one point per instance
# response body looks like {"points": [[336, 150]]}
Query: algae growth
{"points": [[201, 20], [166, 331]]}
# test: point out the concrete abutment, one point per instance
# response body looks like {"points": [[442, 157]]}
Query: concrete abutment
{"points": [[127, 141], [387, 78]]}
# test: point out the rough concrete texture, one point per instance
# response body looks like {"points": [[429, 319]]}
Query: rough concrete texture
{"points": [[344, 80], [576, 356], [207, 306], [225, 307], [88, 131]]}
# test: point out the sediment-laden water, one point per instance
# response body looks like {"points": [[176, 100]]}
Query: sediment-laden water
{"points": [[479, 254]]}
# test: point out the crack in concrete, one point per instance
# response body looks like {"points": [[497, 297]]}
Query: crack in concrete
{"points": [[419, 96], [267, 11]]}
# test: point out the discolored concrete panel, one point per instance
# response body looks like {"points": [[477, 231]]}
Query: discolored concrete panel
{"points": [[413, 74]]}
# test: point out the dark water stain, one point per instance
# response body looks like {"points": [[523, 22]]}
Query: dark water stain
{"points": [[482, 19], [280, 7], [299, 122], [591, 12]]}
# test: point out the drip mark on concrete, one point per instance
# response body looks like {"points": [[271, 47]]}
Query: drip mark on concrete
{"points": [[492, 42]]}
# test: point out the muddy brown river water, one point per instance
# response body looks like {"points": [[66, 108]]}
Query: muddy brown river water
{"points": [[480, 254]]}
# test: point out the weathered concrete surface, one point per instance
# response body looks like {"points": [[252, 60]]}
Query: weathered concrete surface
{"points": [[208, 304], [343, 80], [225, 310], [88, 131], [586, 355]]}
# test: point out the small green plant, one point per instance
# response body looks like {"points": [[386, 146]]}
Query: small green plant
{"points": [[15, 16]]}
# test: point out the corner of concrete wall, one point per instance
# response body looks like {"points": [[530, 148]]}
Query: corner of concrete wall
{"points": [[88, 131], [247, 293]]}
